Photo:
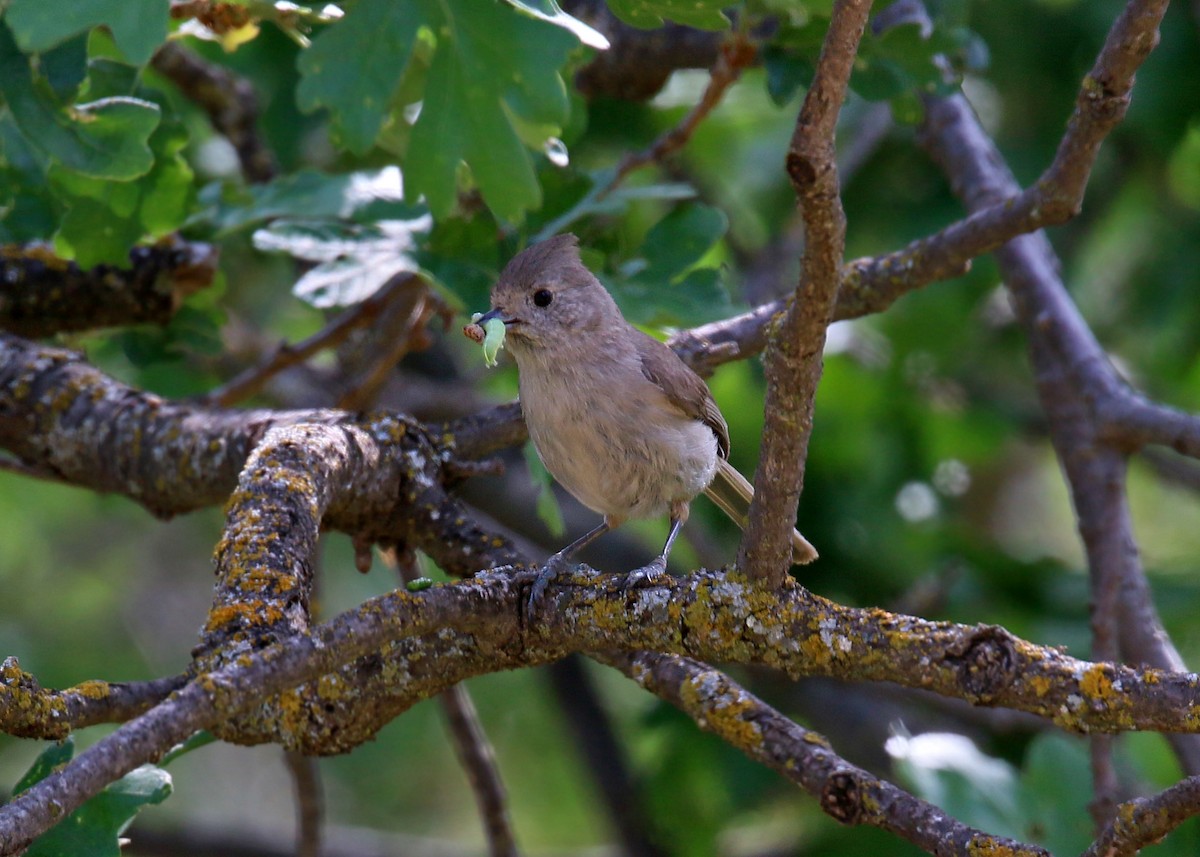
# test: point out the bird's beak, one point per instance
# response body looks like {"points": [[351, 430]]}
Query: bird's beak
{"points": [[495, 313]]}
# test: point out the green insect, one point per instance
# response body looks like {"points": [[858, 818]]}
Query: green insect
{"points": [[490, 333]]}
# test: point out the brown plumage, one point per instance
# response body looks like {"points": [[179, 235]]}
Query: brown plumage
{"points": [[617, 418]]}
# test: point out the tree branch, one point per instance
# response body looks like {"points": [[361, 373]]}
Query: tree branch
{"points": [[845, 792], [310, 806], [793, 363], [419, 643], [29, 711], [1144, 821], [1074, 376], [41, 294]]}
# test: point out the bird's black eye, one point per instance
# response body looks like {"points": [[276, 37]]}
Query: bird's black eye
{"points": [[542, 297]]}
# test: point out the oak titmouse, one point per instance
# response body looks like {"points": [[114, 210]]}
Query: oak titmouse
{"points": [[615, 415]]}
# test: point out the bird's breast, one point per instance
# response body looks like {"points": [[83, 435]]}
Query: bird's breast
{"points": [[613, 440]]}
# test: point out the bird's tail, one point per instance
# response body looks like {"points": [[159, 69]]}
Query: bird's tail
{"points": [[732, 493]]}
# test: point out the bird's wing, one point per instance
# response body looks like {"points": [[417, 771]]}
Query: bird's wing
{"points": [[683, 388]]}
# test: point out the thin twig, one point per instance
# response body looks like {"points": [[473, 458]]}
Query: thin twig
{"points": [[737, 53], [1144, 821], [310, 806], [847, 793], [1173, 469], [474, 750], [793, 363], [285, 356], [410, 336], [479, 761], [1075, 380], [30, 711]]}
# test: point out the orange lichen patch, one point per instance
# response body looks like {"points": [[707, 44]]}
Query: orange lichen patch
{"points": [[93, 689], [815, 651], [1096, 683], [247, 580], [247, 613], [1040, 684], [990, 846], [721, 710]]}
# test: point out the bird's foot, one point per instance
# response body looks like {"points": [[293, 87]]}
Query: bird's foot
{"points": [[554, 566], [647, 575]]}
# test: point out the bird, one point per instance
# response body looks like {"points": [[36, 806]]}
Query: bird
{"points": [[616, 417]]}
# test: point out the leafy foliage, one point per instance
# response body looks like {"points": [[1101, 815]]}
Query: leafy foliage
{"points": [[137, 26], [492, 84]]}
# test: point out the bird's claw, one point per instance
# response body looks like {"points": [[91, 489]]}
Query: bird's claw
{"points": [[647, 575], [551, 570]]}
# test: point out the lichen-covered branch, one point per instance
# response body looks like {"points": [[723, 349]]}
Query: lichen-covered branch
{"points": [[793, 363], [846, 792], [28, 710], [60, 414], [1144, 821], [380, 479], [417, 644], [42, 294], [717, 618]]}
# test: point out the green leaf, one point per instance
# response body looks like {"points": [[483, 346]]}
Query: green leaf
{"points": [[649, 14], [491, 65], [105, 139], [54, 756], [65, 67], [354, 261], [662, 287], [90, 234], [786, 73], [105, 218], [166, 191], [30, 210], [307, 194], [138, 26], [680, 240], [353, 68], [494, 75], [94, 829]]}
